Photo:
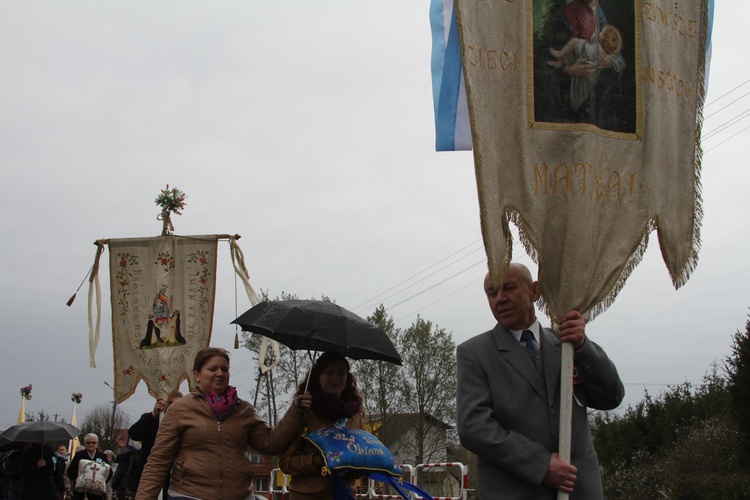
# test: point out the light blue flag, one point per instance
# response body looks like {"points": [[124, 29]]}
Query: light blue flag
{"points": [[708, 38], [452, 127]]}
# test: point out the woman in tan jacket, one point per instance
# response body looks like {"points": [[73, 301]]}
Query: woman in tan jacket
{"points": [[336, 402], [204, 437]]}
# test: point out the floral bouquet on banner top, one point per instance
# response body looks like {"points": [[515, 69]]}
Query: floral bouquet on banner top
{"points": [[170, 201]]}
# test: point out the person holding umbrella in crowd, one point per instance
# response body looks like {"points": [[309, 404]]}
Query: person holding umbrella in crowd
{"points": [[32, 470], [38, 472], [321, 326], [336, 402], [203, 437]]}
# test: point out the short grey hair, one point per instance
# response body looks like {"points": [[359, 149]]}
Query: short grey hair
{"points": [[91, 437]]}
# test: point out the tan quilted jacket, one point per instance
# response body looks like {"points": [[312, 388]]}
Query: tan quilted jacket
{"points": [[207, 458]]}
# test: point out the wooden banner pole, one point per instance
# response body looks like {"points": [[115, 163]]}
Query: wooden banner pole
{"points": [[566, 406]]}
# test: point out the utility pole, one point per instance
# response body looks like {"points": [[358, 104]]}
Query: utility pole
{"points": [[112, 437]]}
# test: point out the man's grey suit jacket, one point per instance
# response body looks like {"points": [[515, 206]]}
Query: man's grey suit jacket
{"points": [[508, 414]]}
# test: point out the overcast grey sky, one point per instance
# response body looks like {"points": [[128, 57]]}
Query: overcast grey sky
{"points": [[307, 128]]}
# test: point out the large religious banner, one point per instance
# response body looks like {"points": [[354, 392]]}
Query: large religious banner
{"points": [[585, 125]]}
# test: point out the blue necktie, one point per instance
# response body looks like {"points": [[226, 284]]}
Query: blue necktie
{"points": [[528, 340]]}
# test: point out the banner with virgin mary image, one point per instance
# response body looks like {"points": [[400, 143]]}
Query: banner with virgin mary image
{"points": [[585, 121], [162, 294]]}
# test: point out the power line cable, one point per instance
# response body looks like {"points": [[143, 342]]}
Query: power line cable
{"points": [[423, 279], [372, 303], [376, 297], [725, 140], [130, 417], [725, 94], [725, 107], [473, 282], [438, 283], [727, 124]]}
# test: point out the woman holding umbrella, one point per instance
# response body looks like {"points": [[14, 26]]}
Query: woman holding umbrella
{"points": [[336, 402], [203, 438], [38, 471]]}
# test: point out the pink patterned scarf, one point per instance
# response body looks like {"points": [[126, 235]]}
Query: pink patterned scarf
{"points": [[222, 404]]}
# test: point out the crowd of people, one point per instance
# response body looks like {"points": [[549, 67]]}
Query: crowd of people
{"points": [[209, 460], [196, 447], [34, 471]]}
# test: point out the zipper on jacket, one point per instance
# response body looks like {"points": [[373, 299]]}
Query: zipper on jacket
{"points": [[221, 464]]}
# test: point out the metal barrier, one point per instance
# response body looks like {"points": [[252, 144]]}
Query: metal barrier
{"points": [[463, 483], [279, 477], [371, 485]]}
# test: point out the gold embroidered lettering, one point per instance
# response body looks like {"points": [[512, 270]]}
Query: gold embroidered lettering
{"points": [[670, 20], [493, 59], [669, 82], [580, 179], [562, 175]]}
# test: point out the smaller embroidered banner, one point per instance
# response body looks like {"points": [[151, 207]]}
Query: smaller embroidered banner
{"points": [[162, 294]]}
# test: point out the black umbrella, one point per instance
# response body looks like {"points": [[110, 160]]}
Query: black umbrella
{"points": [[317, 325], [6, 445], [40, 431]]}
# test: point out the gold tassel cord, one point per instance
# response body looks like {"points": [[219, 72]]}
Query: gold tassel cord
{"points": [[236, 332]]}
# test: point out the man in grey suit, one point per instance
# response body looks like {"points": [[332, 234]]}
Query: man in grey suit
{"points": [[509, 397]]}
